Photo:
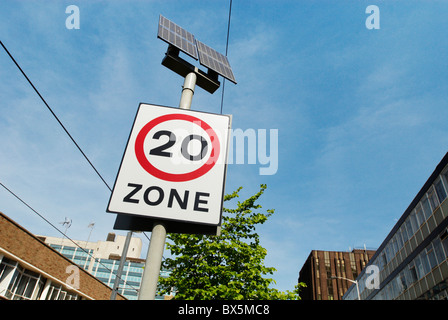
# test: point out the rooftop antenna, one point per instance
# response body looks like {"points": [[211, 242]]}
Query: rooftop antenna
{"points": [[67, 222], [91, 226]]}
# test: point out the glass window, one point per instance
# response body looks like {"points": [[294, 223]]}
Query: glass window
{"points": [[394, 288], [330, 289], [425, 263], [402, 283], [399, 239], [56, 292], [433, 199], [53, 293], [384, 259], [409, 227], [5, 270], [419, 214], [387, 253], [445, 175], [353, 268], [445, 242], [426, 208], [413, 272], [56, 246], [404, 233], [419, 267], [413, 220], [23, 284], [440, 190], [438, 250], [431, 257], [395, 244]]}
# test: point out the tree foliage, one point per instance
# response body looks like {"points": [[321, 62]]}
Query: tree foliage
{"points": [[229, 266]]}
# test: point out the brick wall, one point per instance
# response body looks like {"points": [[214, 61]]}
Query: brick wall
{"points": [[21, 243]]}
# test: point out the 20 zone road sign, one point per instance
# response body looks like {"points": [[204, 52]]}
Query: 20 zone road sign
{"points": [[174, 166]]}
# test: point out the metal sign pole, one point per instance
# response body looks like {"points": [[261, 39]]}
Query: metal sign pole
{"points": [[120, 266], [188, 91], [148, 288]]}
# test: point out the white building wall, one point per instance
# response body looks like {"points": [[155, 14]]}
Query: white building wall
{"points": [[103, 249]]}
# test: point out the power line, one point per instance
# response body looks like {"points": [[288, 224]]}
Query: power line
{"points": [[47, 221], [26, 204], [227, 46], [54, 115], [76, 144]]}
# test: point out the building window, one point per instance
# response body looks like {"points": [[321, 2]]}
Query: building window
{"points": [[354, 270], [409, 227], [413, 273], [444, 239], [343, 269], [399, 237], [426, 208], [419, 214], [440, 190], [7, 268], [402, 283], [425, 263], [438, 250], [431, 257], [384, 260], [419, 267], [394, 247], [17, 283], [330, 289], [445, 175], [404, 233], [433, 199], [414, 222], [57, 292]]}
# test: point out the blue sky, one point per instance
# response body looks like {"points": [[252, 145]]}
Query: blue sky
{"points": [[361, 114]]}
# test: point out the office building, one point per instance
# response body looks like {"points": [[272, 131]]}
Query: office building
{"points": [[327, 274], [31, 270], [412, 261], [102, 259]]}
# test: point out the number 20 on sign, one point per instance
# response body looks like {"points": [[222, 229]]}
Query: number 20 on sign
{"points": [[174, 166]]}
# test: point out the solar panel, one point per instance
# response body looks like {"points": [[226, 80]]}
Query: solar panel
{"points": [[177, 36], [214, 60]]}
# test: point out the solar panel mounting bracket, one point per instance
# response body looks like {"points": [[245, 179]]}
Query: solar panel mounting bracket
{"points": [[207, 81]]}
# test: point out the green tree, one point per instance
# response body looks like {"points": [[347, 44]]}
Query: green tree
{"points": [[229, 266]]}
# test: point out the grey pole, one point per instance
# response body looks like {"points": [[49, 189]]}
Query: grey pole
{"points": [[188, 91], [148, 288], [120, 266]]}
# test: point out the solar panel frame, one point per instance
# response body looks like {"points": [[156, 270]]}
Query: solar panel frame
{"points": [[212, 59], [177, 36]]}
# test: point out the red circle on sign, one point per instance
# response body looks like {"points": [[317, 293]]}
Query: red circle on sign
{"points": [[176, 177]]}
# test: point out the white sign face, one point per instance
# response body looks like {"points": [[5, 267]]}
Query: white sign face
{"points": [[174, 166]]}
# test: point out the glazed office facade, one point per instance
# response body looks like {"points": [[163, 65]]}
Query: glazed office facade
{"points": [[102, 259], [413, 259]]}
